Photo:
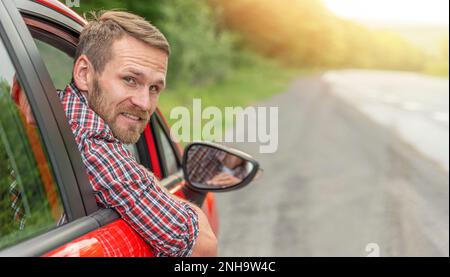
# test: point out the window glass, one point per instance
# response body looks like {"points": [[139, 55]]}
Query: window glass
{"points": [[133, 149], [30, 203], [169, 156], [58, 63]]}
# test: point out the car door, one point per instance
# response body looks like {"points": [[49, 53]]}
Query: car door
{"points": [[73, 225], [56, 38], [96, 232]]}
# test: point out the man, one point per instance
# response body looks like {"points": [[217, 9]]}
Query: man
{"points": [[119, 72]]}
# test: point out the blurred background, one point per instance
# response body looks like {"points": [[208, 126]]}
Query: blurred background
{"points": [[362, 87]]}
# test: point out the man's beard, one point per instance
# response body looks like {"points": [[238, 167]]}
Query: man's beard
{"points": [[129, 134]]}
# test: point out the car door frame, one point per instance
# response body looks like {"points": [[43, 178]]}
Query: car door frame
{"points": [[78, 200], [55, 132]]}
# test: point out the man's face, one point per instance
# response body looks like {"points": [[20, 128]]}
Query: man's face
{"points": [[126, 93]]}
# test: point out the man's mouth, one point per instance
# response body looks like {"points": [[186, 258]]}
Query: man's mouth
{"points": [[132, 117]]}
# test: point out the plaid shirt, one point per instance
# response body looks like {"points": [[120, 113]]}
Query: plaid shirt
{"points": [[119, 182]]}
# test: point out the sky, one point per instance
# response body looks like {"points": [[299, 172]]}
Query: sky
{"points": [[434, 12]]}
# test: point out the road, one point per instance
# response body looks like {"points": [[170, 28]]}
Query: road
{"points": [[351, 169]]}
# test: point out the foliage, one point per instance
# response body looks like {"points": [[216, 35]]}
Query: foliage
{"points": [[304, 33], [201, 53], [208, 37]]}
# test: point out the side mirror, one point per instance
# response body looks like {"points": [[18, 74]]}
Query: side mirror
{"points": [[212, 167]]}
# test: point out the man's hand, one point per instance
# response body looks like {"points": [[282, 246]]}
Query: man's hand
{"points": [[223, 179], [206, 244]]}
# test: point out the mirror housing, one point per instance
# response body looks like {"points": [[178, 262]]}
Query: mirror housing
{"points": [[212, 167]]}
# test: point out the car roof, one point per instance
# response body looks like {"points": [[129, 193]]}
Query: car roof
{"points": [[61, 8]]}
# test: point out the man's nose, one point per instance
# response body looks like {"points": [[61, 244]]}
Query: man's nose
{"points": [[142, 99]]}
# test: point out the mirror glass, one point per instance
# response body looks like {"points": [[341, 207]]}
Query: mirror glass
{"points": [[209, 167]]}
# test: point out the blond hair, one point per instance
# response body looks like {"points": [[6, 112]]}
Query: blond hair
{"points": [[105, 27]]}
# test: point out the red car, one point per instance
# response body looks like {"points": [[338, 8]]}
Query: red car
{"points": [[47, 207]]}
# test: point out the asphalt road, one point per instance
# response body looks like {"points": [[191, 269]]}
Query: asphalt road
{"points": [[341, 179]]}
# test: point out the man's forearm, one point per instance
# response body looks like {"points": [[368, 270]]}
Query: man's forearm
{"points": [[206, 244]]}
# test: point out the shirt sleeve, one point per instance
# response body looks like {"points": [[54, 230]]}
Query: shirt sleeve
{"points": [[168, 225]]}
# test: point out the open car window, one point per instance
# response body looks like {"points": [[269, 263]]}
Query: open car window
{"points": [[57, 50], [58, 63]]}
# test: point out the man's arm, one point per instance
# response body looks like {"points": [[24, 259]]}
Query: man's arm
{"points": [[168, 225], [206, 243]]}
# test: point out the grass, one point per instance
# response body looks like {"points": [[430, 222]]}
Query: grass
{"points": [[243, 87]]}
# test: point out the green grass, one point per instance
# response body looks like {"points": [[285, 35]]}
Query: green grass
{"points": [[244, 86]]}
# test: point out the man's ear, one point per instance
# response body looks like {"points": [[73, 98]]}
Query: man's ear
{"points": [[82, 73]]}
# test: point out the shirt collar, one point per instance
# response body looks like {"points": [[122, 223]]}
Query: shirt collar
{"points": [[78, 93], [83, 115]]}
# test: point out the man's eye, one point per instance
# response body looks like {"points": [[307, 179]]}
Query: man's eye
{"points": [[154, 89], [130, 80]]}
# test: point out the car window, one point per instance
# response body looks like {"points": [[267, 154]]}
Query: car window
{"points": [[58, 63], [169, 158], [133, 149], [30, 202]]}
